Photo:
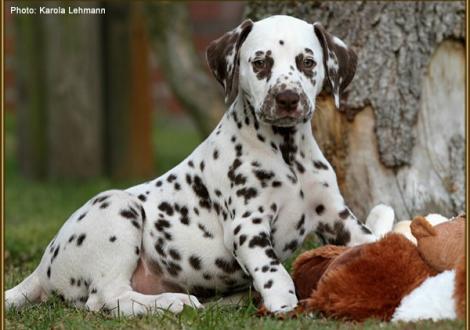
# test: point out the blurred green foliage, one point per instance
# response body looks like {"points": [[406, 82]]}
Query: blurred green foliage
{"points": [[35, 210]]}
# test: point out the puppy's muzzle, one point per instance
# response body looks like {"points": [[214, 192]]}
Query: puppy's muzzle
{"points": [[287, 104]]}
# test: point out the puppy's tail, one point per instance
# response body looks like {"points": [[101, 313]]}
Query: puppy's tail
{"points": [[28, 291]]}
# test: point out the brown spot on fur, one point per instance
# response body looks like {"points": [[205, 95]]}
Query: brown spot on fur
{"points": [[202, 291], [338, 79], [342, 236], [218, 52], [344, 214], [336, 234], [319, 209], [265, 71], [228, 266], [299, 62]]}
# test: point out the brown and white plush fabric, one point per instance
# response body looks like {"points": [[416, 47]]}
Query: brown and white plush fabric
{"points": [[442, 296], [310, 266], [442, 245], [391, 279], [230, 213], [366, 281], [460, 288]]}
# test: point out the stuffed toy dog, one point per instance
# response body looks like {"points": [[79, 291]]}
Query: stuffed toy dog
{"points": [[391, 279], [443, 296]]}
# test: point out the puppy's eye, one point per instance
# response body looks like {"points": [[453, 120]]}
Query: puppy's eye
{"points": [[309, 63], [259, 64]]}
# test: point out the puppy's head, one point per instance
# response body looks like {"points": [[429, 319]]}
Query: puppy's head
{"points": [[279, 65]]}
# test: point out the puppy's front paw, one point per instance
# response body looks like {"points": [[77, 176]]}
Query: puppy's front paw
{"points": [[280, 303]]}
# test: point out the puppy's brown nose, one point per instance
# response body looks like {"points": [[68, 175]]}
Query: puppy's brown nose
{"points": [[287, 100]]}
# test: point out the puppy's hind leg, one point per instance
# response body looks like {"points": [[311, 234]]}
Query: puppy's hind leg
{"points": [[119, 298], [111, 256], [28, 291]]}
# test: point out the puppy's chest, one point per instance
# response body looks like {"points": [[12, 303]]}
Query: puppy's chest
{"points": [[302, 181], [296, 215]]}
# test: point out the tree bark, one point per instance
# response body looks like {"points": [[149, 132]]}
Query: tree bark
{"points": [[59, 99], [31, 102], [74, 94], [181, 66], [400, 136], [129, 152], [84, 105]]}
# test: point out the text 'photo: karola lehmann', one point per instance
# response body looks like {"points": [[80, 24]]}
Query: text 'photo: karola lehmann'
{"points": [[57, 10]]}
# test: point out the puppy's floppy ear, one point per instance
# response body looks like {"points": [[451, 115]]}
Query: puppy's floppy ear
{"points": [[224, 59], [339, 60]]}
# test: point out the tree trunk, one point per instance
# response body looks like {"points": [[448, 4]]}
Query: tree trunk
{"points": [[31, 103], [84, 105], [74, 94], [59, 99], [128, 101], [177, 57], [400, 137]]}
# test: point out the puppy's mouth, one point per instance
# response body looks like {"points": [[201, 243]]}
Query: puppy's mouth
{"points": [[282, 115], [283, 121]]}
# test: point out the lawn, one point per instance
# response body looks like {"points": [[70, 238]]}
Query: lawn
{"points": [[35, 211]]}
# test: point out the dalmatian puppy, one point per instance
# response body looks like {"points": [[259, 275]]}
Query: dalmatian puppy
{"points": [[230, 213]]}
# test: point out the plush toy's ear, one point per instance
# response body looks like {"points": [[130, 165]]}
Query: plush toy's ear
{"points": [[223, 58], [339, 61], [421, 228], [309, 267]]}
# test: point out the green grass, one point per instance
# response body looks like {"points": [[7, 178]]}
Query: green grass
{"points": [[35, 211]]}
